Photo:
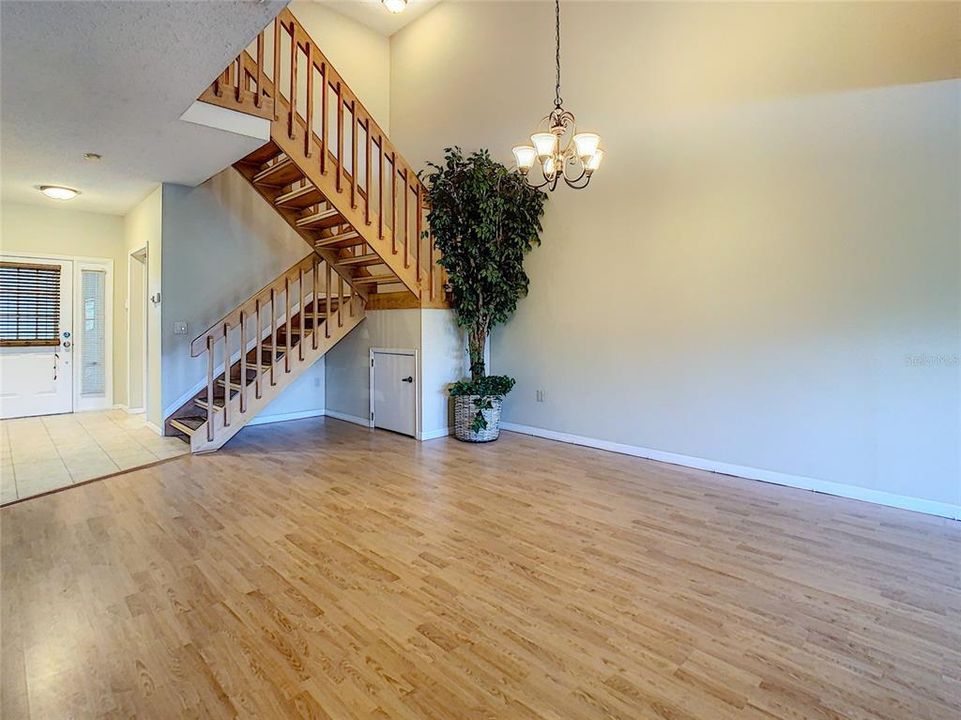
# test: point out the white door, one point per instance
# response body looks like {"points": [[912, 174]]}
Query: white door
{"points": [[36, 336], [393, 391]]}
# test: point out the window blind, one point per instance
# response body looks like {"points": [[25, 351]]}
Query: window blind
{"points": [[29, 304]]}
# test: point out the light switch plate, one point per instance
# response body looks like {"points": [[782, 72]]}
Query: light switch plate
{"points": [[180, 327]]}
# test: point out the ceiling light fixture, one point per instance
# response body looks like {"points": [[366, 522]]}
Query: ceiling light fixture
{"points": [[395, 6], [577, 159], [57, 192]]}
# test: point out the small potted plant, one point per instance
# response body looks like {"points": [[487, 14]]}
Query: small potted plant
{"points": [[483, 219]]}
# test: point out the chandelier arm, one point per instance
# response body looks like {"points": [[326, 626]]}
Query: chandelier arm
{"points": [[538, 186], [573, 183]]}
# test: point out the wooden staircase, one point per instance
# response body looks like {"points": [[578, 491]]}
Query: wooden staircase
{"points": [[330, 171], [262, 346]]}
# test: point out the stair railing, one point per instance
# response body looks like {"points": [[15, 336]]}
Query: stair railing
{"points": [[277, 78], [264, 315]]}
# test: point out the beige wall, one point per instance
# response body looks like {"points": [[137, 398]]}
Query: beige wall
{"points": [[360, 55], [142, 228], [222, 242], [769, 248], [53, 230], [348, 363]]}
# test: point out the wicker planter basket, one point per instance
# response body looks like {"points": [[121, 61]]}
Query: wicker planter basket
{"points": [[464, 411]]}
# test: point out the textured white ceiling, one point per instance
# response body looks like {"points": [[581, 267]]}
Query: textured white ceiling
{"points": [[374, 15], [114, 78]]}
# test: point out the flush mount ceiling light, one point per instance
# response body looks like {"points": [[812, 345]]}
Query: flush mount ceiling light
{"points": [[395, 6], [574, 160], [58, 192]]}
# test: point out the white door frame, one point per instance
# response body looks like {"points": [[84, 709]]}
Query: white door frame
{"points": [[395, 351], [131, 308], [85, 262]]}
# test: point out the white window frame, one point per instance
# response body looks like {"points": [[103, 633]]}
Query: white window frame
{"points": [[82, 402]]}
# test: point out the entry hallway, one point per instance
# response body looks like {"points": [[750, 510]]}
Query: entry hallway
{"points": [[40, 454], [318, 569]]}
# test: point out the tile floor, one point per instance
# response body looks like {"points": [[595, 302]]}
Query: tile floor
{"points": [[45, 453]]}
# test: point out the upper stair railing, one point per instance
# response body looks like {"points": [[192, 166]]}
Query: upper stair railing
{"points": [[284, 77]]}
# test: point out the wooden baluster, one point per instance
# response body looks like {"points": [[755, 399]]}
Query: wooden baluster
{"points": [[210, 388], [239, 90], [340, 300], [380, 187], [302, 298], [277, 29], [324, 112], [354, 125], [316, 324], [367, 174], [273, 335], [309, 140], [243, 362], [327, 294], [259, 350], [406, 221], [393, 202], [287, 324], [294, 51], [340, 136], [258, 101], [419, 229], [226, 375]]}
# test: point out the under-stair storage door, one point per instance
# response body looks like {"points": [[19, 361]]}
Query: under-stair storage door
{"points": [[36, 337], [393, 390]]}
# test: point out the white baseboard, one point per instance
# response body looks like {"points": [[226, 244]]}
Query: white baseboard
{"points": [[433, 434], [929, 507], [155, 428], [135, 411], [348, 418], [283, 417]]}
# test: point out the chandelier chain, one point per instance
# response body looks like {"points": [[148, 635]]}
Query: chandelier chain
{"points": [[558, 100]]}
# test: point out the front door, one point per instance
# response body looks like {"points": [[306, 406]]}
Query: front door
{"points": [[36, 336], [393, 391]]}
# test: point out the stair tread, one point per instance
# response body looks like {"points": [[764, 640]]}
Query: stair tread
{"points": [[218, 396], [303, 196], [280, 173], [320, 216], [360, 260], [370, 279], [188, 424], [351, 237]]}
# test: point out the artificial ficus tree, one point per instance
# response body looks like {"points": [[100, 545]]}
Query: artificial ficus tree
{"points": [[484, 219]]}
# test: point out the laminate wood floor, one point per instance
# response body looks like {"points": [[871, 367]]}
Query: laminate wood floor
{"points": [[317, 569]]}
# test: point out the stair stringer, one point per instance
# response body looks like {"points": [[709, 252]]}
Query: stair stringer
{"points": [[351, 316]]}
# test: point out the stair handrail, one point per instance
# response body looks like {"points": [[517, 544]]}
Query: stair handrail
{"points": [[232, 318]]}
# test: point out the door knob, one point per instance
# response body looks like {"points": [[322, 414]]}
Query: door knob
{"points": [[408, 379], [66, 343]]}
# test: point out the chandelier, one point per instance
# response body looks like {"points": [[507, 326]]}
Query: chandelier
{"points": [[560, 151]]}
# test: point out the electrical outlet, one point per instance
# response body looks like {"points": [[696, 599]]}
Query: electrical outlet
{"points": [[539, 395]]}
